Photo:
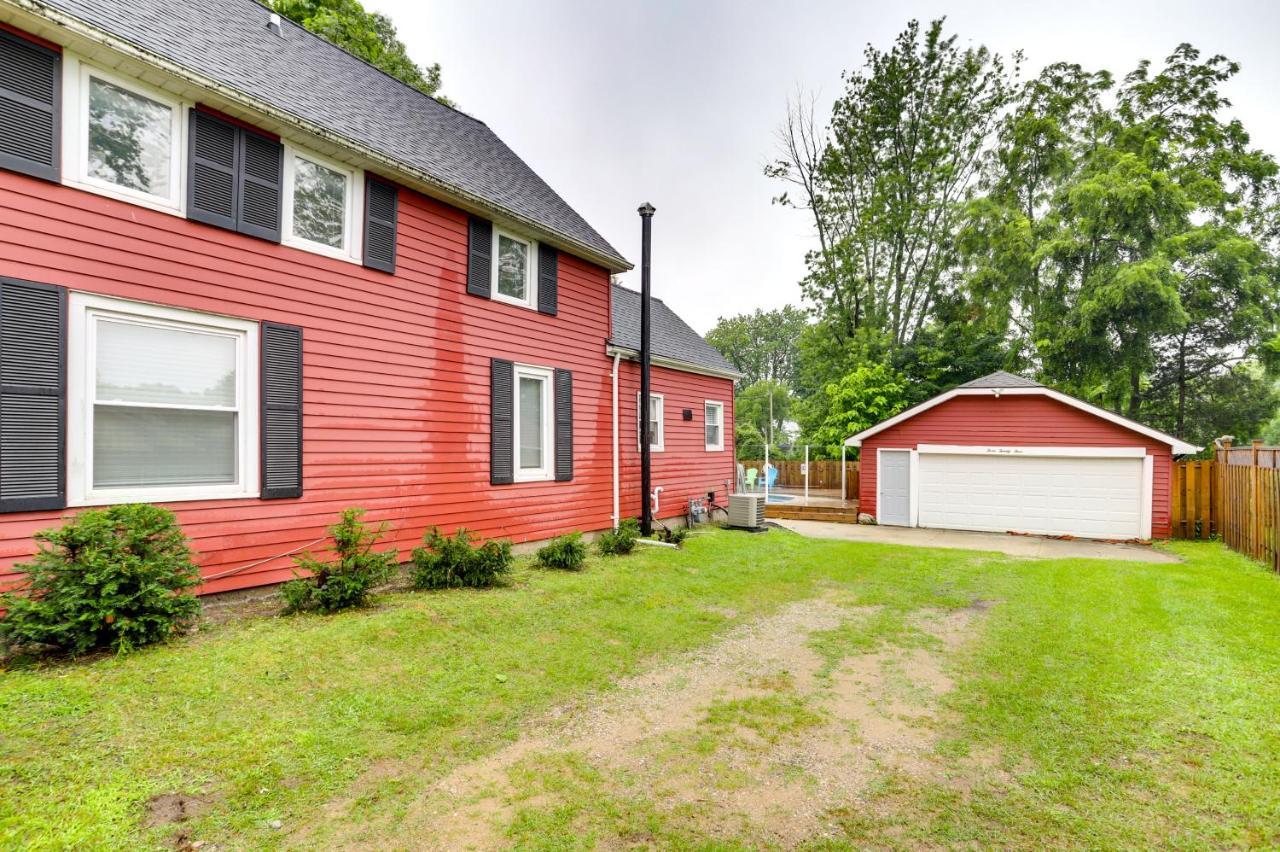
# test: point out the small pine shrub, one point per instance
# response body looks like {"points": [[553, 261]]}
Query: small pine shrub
{"points": [[620, 541], [116, 578], [672, 535], [350, 577], [452, 563], [567, 553]]}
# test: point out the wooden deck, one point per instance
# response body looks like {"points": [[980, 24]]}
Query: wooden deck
{"points": [[820, 505]]}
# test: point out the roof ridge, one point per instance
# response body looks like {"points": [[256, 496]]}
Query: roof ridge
{"points": [[262, 4]]}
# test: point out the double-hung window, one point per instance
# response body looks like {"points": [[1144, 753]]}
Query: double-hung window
{"points": [[164, 403], [319, 208], [515, 278], [656, 442], [534, 424], [713, 423], [130, 140]]}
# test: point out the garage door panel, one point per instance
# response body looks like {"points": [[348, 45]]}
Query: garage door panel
{"points": [[1096, 497]]}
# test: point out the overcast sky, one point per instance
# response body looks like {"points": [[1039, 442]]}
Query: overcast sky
{"points": [[677, 103]]}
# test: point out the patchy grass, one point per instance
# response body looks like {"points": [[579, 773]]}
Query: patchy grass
{"points": [[1125, 703]]}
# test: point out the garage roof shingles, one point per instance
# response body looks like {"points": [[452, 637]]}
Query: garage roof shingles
{"points": [[1001, 379], [302, 75]]}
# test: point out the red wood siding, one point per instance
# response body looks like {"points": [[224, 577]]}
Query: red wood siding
{"points": [[396, 407], [684, 468], [1016, 421]]}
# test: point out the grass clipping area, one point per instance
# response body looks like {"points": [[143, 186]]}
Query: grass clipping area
{"points": [[688, 698]]}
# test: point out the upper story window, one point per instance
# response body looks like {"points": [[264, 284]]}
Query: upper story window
{"points": [[128, 140], [319, 205], [514, 278], [164, 403], [713, 425]]}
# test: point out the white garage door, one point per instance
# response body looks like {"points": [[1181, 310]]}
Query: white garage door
{"points": [[1046, 495]]}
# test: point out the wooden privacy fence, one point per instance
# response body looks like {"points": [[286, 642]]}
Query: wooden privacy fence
{"points": [[823, 475], [1236, 496]]}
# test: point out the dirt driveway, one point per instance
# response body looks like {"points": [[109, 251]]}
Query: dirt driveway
{"points": [[764, 737]]}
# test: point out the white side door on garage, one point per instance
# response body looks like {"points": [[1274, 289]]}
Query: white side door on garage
{"points": [[1031, 490]]}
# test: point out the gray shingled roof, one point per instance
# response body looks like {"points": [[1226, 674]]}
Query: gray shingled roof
{"points": [[670, 336], [1001, 379], [308, 78]]}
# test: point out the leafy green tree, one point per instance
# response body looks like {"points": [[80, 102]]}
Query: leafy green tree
{"points": [[368, 35], [862, 398], [761, 345], [751, 408], [886, 184], [1130, 246]]}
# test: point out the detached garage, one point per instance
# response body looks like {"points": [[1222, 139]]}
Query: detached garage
{"points": [[1006, 454]]}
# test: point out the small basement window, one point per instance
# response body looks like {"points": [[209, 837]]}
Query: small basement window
{"points": [[163, 403], [514, 279], [713, 422], [533, 424]]}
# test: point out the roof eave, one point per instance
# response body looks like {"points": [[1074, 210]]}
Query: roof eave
{"points": [[428, 183], [630, 354], [1177, 446]]}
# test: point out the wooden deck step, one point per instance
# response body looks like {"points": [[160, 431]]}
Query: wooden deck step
{"points": [[831, 514]]}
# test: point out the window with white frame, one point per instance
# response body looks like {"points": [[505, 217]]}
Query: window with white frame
{"points": [[319, 204], [514, 276], [534, 424], [163, 403], [713, 423], [656, 442], [130, 139]]}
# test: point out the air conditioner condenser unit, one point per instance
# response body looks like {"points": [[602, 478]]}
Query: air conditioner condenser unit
{"points": [[746, 511]]}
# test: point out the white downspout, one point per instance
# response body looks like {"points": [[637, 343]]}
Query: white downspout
{"points": [[617, 519]]}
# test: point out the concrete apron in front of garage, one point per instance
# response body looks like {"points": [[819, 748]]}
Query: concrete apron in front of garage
{"points": [[1014, 545]]}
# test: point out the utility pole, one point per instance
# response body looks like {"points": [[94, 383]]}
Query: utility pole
{"points": [[646, 212]]}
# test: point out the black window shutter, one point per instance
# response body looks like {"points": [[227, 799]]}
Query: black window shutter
{"points": [[564, 425], [261, 186], [33, 378], [380, 205], [502, 378], [30, 103], [214, 155], [548, 278], [281, 411], [479, 256]]}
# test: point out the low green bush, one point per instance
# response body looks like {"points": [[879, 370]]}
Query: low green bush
{"points": [[567, 553], [620, 541], [116, 578], [451, 563], [348, 578], [671, 535]]}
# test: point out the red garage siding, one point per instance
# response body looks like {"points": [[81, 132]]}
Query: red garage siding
{"points": [[684, 468], [396, 371], [1015, 420]]}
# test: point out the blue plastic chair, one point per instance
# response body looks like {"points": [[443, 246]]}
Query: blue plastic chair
{"points": [[771, 476]]}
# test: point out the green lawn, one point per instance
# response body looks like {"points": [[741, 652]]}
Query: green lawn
{"points": [[1128, 704]]}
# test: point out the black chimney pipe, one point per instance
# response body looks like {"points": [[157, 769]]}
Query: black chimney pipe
{"points": [[646, 486]]}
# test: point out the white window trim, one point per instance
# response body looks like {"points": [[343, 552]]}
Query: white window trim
{"points": [[75, 138], [661, 432], [80, 490], [530, 270], [352, 233], [713, 403], [547, 471]]}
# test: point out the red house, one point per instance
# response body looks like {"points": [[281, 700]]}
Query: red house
{"points": [[1006, 454], [250, 277]]}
